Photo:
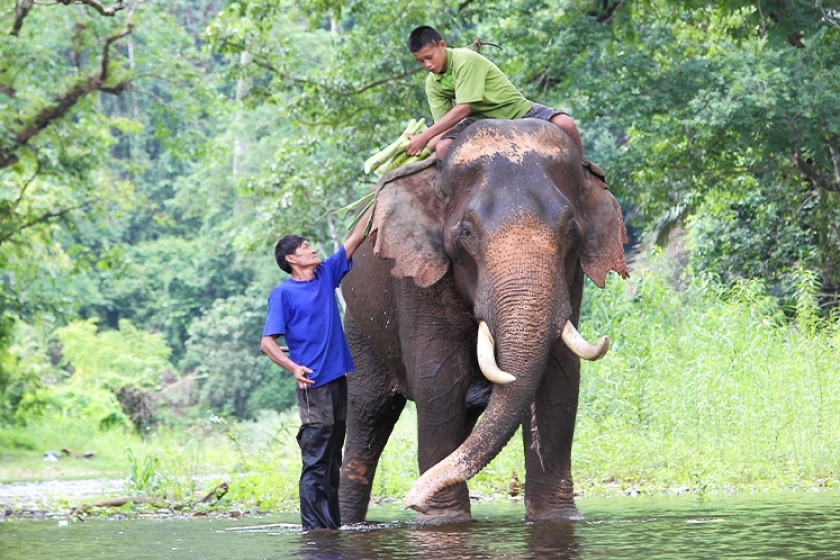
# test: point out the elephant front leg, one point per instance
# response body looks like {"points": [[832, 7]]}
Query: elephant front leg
{"points": [[442, 425], [547, 435]]}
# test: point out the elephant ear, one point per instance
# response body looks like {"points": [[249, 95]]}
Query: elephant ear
{"points": [[407, 223], [604, 235]]}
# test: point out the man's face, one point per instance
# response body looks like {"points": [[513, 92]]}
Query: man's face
{"points": [[304, 256], [432, 57]]}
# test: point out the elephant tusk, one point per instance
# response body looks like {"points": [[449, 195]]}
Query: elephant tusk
{"points": [[485, 350], [581, 347]]}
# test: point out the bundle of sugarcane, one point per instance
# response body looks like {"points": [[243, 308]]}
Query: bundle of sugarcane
{"points": [[394, 155]]}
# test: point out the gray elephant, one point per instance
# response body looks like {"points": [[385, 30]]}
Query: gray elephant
{"points": [[466, 300]]}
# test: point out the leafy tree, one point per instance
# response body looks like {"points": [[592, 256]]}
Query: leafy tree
{"points": [[95, 372], [165, 284], [71, 99], [723, 112], [224, 349]]}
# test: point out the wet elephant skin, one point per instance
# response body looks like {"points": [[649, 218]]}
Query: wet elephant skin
{"points": [[502, 232]]}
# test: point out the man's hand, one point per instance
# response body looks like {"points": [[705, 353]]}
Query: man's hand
{"points": [[269, 347], [416, 143], [300, 373]]}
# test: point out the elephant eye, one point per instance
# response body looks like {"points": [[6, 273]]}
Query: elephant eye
{"points": [[466, 237]]}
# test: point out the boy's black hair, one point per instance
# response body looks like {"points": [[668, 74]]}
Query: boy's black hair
{"points": [[422, 36], [287, 246]]}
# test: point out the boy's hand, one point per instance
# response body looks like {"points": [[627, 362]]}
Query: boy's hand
{"points": [[300, 373], [416, 144]]}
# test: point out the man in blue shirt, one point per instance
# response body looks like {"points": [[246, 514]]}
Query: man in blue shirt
{"points": [[303, 309]]}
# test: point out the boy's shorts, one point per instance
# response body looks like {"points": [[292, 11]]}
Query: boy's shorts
{"points": [[537, 111]]}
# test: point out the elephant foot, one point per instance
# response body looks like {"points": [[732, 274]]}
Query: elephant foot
{"points": [[443, 516], [565, 512], [450, 505]]}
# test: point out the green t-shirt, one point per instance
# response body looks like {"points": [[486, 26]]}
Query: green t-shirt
{"points": [[471, 78]]}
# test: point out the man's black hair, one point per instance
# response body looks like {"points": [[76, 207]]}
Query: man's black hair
{"points": [[287, 246], [422, 36]]}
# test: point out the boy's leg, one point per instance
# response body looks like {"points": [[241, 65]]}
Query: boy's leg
{"points": [[445, 139], [568, 125], [559, 118], [565, 122]]}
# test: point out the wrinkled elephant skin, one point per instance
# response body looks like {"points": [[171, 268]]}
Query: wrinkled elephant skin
{"points": [[502, 233]]}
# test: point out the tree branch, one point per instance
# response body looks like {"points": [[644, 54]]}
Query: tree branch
{"points": [[46, 216], [832, 17], [21, 11], [804, 166], [62, 105], [262, 63], [834, 150], [386, 80], [106, 49], [609, 11], [108, 12]]}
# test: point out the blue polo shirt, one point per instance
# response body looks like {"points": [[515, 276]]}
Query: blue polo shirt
{"points": [[306, 315]]}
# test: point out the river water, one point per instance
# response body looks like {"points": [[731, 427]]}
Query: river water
{"points": [[763, 527]]}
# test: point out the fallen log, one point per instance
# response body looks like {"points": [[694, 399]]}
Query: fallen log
{"points": [[213, 496]]}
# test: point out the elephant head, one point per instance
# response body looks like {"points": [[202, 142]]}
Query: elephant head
{"points": [[514, 218]]}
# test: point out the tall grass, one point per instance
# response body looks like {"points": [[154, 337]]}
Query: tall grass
{"points": [[705, 389], [708, 388]]}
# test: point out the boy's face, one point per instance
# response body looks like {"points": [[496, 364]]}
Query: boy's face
{"points": [[432, 57]]}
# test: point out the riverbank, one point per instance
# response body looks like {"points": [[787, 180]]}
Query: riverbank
{"points": [[65, 499], [59, 499]]}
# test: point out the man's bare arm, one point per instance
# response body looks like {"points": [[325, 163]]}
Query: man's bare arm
{"points": [[269, 347], [355, 238], [455, 115]]}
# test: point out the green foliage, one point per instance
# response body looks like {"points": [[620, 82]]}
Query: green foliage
{"points": [[95, 368], [156, 199], [112, 359], [709, 384], [166, 284], [223, 348], [25, 389]]}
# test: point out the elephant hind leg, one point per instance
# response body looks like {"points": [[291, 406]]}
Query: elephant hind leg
{"points": [[373, 409]]}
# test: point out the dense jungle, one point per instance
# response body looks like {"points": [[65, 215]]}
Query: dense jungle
{"points": [[152, 152]]}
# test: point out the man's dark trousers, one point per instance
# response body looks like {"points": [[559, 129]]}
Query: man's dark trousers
{"points": [[323, 417]]}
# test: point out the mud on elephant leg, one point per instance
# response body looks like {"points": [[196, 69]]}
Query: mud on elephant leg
{"points": [[373, 410], [452, 504], [446, 423], [547, 436]]}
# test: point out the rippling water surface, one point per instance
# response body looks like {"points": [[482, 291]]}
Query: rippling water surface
{"points": [[789, 526]]}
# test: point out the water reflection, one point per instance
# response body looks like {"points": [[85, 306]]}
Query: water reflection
{"points": [[553, 541], [512, 538], [790, 527]]}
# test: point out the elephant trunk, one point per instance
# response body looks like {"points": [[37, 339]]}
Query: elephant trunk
{"points": [[523, 338]]}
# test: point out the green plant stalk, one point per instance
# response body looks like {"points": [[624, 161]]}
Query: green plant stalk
{"points": [[376, 159], [358, 217], [395, 148], [355, 203]]}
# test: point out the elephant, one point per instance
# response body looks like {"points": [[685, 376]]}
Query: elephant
{"points": [[465, 298]]}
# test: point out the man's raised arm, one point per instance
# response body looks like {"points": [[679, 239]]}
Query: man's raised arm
{"points": [[355, 237]]}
